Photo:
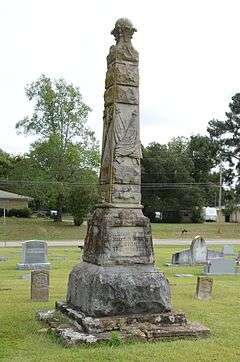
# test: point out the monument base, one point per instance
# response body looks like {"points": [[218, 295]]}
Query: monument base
{"points": [[74, 327], [33, 266], [118, 290]]}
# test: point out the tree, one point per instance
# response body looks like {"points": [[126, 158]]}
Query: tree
{"points": [[204, 154], [227, 134], [83, 197], [65, 145], [5, 164], [172, 173]]}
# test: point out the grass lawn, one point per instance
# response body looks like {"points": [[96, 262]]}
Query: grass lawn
{"points": [[25, 229], [22, 340]]}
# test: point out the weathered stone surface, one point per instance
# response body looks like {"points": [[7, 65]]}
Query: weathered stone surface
{"points": [[125, 236], [135, 327], [182, 257], [198, 250], [118, 290], [204, 287], [123, 50], [122, 73], [117, 287], [40, 285], [34, 255], [44, 315], [121, 94], [123, 194], [197, 254], [116, 322], [121, 148]]}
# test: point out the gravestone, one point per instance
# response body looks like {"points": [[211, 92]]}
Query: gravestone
{"points": [[116, 286], [197, 254], [198, 250], [40, 285], [204, 287], [228, 249], [3, 258], [34, 255], [220, 267]]}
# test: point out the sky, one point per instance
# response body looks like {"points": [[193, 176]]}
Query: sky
{"points": [[189, 59]]}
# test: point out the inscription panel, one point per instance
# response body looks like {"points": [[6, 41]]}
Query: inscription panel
{"points": [[34, 251], [128, 241]]}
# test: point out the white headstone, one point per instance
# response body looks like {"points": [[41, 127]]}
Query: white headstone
{"points": [[198, 250]]}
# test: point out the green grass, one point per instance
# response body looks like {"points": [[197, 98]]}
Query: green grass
{"points": [[206, 230], [22, 340], [25, 229], [36, 228]]}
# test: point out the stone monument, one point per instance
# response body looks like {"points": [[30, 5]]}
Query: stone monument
{"points": [[118, 252], [34, 255], [116, 286], [197, 254], [40, 285], [204, 287]]}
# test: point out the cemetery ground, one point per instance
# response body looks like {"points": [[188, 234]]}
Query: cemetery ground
{"points": [[47, 229], [23, 338]]}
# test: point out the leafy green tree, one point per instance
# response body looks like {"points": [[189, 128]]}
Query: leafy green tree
{"points": [[204, 154], [5, 164], [165, 168], [82, 200], [65, 145], [227, 134]]}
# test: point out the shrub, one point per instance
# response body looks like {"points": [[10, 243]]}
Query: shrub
{"points": [[25, 212], [197, 216], [81, 202]]}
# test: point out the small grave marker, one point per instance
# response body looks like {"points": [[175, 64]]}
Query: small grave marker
{"points": [[40, 285], [204, 287]]}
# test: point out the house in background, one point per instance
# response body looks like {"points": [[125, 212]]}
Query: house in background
{"points": [[233, 216], [9, 200]]}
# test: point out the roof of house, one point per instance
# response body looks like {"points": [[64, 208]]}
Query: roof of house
{"points": [[5, 195]]}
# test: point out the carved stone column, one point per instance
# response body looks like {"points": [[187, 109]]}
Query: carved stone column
{"points": [[116, 286], [119, 235]]}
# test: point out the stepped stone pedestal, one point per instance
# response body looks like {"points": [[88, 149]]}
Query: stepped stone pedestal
{"points": [[117, 287]]}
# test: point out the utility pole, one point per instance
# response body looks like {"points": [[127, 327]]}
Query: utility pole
{"points": [[220, 200]]}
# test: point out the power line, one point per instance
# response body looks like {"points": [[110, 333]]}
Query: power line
{"points": [[144, 184]]}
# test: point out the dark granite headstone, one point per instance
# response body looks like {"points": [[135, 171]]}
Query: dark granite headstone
{"points": [[34, 255]]}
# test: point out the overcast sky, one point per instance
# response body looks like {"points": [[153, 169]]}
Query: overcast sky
{"points": [[189, 59]]}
